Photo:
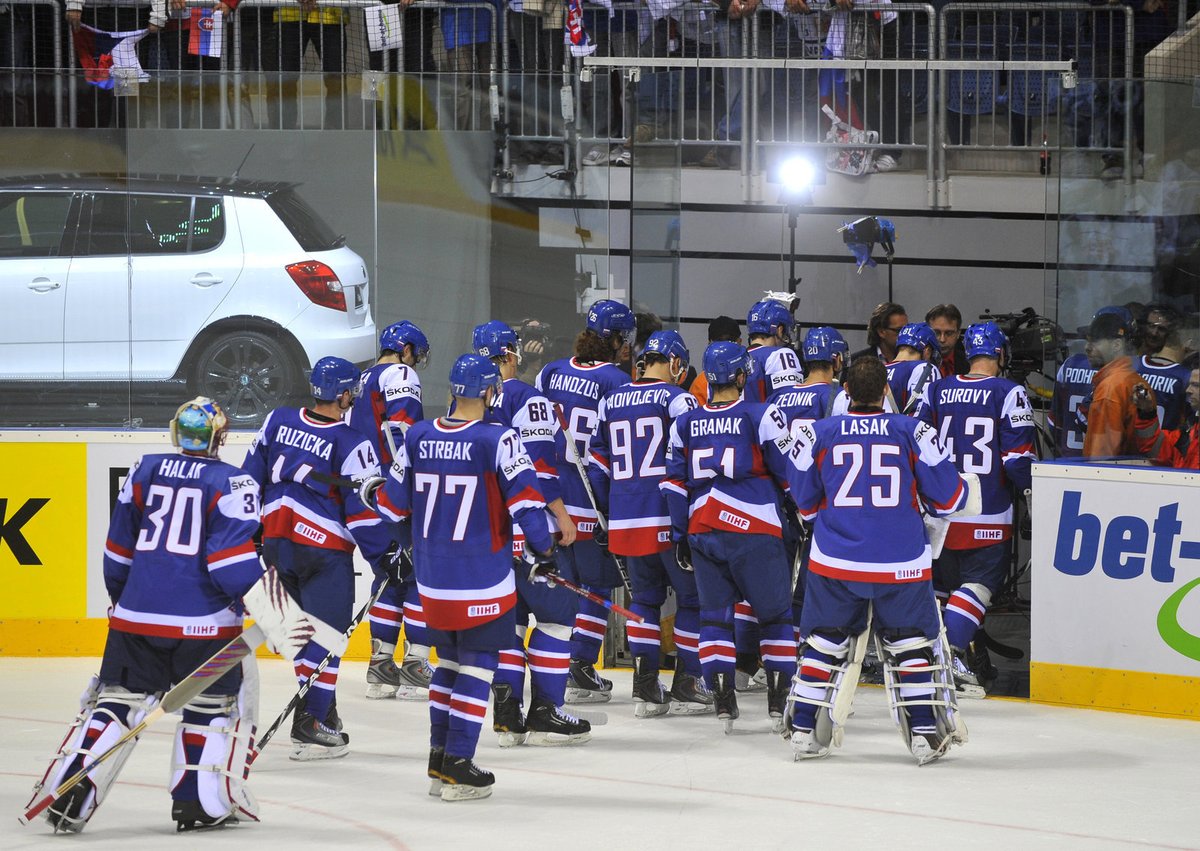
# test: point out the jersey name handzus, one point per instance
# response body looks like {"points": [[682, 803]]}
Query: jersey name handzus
{"points": [[575, 384], [303, 440], [444, 450]]}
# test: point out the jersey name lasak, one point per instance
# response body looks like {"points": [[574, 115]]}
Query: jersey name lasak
{"points": [[574, 384], [866, 425], [303, 440], [444, 450], [728, 425], [181, 468], [964, 396]]}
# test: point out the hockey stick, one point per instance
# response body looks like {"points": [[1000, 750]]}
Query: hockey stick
{"points": [[175, 699], [601, 521], [595, 598], [312, 678]]}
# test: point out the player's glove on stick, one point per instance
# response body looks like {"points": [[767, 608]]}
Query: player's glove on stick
{"points": [[541, 565], [367, 488], [600, 536], [683, 555]]}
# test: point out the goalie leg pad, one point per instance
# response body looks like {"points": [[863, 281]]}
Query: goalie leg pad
{"points": [[820, 675], [920, 686], [107, 714], [214, 747]]}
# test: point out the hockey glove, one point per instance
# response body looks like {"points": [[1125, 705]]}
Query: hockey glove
{"points": [[367, 488], [281, 619], [541, 565], [683, 555], [600, 536], [400, 566]]}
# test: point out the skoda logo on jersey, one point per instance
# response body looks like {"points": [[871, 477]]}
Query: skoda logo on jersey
{"points": [[1127, 548]]}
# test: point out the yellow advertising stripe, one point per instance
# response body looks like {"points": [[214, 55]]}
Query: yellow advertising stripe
{"points": [[1138, 692]]}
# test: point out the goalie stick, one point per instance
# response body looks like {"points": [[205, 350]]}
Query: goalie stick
{"points": [[312, 678], [601, 521], [173, 701]]}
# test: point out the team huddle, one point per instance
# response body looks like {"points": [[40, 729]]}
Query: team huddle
{"points": [[801, 507]]}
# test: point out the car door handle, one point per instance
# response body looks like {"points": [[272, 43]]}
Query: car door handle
{"points": [[43, 285], [204, 279]]}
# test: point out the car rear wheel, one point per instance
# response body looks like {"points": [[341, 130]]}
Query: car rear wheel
{"points": [[248, 373]]}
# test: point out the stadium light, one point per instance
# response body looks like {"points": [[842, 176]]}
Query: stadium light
{"points": [[797, 175]]}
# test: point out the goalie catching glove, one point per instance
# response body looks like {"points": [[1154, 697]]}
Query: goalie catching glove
{"points": [[541, 565], [287, 627]]}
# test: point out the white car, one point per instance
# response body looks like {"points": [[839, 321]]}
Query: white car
{"points": [[233, 286]]}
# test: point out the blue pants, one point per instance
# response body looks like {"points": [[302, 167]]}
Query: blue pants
{"points": [[836, 605], [649, 577], [965, 608], [596, 572], [458, 693]]}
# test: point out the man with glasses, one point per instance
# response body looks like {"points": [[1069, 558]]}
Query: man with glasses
{"points": [[1161, 351], [946, 322], [886, 322]]}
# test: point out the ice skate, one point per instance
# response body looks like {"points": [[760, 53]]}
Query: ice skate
{"points": [[689, 695], [463, 780], [927, 745], [749, 676], [434, 772], [806, 746], [383, 674], [649, 696], [549, 726], [507, 721], [584, 685], [966, 684], [725, 701], [313, 740], [190, 815], [415, 675], [63, 814], [778, 686]]}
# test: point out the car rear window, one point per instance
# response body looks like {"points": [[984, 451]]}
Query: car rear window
{"points": [[303, 221]]}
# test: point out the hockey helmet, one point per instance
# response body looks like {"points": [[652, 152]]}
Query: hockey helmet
{"points": [[984, 339], [822, 343], [608, 317], [919, 336], [472, 375], [723, 361], [404, 333], [494, 339], [199, 426], [767, 315], [669, 344], [331, 377]]}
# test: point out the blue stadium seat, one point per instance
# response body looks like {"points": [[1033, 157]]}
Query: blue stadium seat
{"points": [[971, 92]]}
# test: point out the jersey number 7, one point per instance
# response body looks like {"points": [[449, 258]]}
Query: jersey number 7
{"points": [[450, 485]]}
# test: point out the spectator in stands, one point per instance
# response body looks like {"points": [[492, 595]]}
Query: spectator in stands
{"points": [[723, 329], [1151, 24], [604, 115], [410, 108], [190, 98], [887, 320], [283, 56], [535, 30], [98, 107], [17, 28], [1111, 413], [946, 322], [1175, 448], [467, 37]]}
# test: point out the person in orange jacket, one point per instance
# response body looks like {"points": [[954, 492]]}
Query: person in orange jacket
{"points": [[1175, 448], [1111, 413]]}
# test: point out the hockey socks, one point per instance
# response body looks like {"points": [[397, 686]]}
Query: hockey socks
{"points": [[590, 623], [687, 639], [964, 614], [320, 696], [745, 628], [440, 689], [778, 647], [415, 630], [645, 639], [469, 702], [916, 683], [716, 644], [549, 656], [511, 668], [387, 613]]}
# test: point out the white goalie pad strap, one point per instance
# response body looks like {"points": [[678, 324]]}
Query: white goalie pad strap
{"points": [[102, 726], [937, 692], [974, 504], [286, 626]]}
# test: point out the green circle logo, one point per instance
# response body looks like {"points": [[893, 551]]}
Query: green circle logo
{"points": [[1175, 636]]}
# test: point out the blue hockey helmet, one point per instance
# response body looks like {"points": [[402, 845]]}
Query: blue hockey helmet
{"points": [[199, 426], [822, 343], [495, 339], [669, 344], [404, 333], [331, 377], [608, 317], [472, 375], [919, 336], [767, 315], [984, 339], [723, 360]]}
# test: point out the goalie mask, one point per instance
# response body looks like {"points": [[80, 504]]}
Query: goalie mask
{"points": [[199, 426]]}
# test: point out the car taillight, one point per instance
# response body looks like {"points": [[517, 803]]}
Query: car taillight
{"points": [[319, 283]]}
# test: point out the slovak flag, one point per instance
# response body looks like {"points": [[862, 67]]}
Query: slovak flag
{"points": [[99, 52], [573, 32], [207, 33]]}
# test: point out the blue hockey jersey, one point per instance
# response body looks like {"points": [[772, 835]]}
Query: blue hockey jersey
{"points": [[528, 413], [628, 463], [986, 426], [292, 444], [726, 469], [180, 550], [907, 380], [388, 393], [805, 403], [463, 484], [577, 388], [1169, 381], [863, 478], [775, 367], [1072, 390]]}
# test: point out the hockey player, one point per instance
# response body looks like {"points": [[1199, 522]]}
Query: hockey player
{"points": [[769, 326], [528, 413], [725, 468], [985, 424], [180, 568], [463, 483], [576, 385], [628, 464], [915, 365], [858, 477], [1179, 448], [389, 398], [1161, 367], [310, 529], [1072, 392]]}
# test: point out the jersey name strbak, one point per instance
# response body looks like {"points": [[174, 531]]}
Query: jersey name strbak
{"points": [[289, 448], [775, 367], [391, 393], [180, 549], [726, 469], [462, 485], [1072, 389], [804, 404], [577, 388], [986, 425], [628, 463], [1169, 381], [861, 478]]}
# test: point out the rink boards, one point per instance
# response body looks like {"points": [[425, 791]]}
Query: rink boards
{"points": [[1116, 588]]}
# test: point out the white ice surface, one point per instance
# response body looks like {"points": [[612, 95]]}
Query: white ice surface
{"points": [[1031, 777]]}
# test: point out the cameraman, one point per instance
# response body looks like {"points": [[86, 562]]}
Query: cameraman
{"points": [[535, 348]]}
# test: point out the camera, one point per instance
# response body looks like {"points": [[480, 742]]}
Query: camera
{"points": [[1033, 339]]}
